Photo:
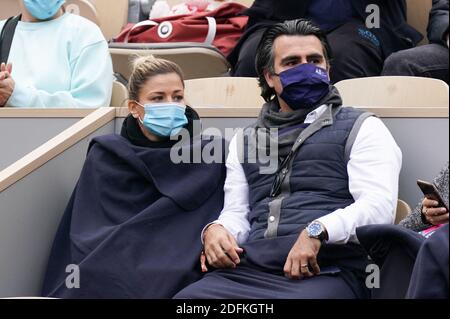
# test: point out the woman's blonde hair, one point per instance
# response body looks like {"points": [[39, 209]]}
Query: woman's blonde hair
{"points": [[146, 67]]}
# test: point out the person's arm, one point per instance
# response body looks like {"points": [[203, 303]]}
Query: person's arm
{"points": [[373, 170], [234, 216], [438, 24], [91, 83], [222, 238], [419, 220], [441, 182], [415, 221]]}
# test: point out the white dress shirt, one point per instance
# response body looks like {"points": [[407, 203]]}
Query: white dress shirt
{"points": [[373, 170]]}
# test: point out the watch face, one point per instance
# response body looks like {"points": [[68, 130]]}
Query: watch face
{"points": [[315, 229]]}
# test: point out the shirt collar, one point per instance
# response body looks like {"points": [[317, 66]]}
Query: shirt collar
{"points": [[314, 115]]}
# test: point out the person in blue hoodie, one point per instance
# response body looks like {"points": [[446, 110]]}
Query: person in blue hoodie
{"points": [[56, 60]]}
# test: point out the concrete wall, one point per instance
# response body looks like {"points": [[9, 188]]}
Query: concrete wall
{"points": [[30, 212], [19, 136]]}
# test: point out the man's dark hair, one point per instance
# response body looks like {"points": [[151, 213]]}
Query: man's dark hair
{"points": [[265, 57]]}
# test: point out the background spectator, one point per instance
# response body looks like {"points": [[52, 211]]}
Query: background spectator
{"points": [[428, 60], [427, 214], [358, 51], [57, 59]]}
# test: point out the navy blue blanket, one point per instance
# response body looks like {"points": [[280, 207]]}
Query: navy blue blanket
{"points": [[429, 279], [394, 249], [133, 223], [411, 266]]}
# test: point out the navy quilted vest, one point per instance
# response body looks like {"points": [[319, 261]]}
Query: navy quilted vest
{"points": [[318, 180]]}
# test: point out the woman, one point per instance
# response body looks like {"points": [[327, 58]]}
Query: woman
{"points": [[428, 214], [413, 258], [132, 227], [56, 59]]}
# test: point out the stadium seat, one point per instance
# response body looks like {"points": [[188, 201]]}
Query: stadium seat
{"points": [[8, 8], [112, 17], [394, 91], [83, 8], [246, 3], [224, 92], [418, 15], [119, 95], [403, 210], [197, 60]]}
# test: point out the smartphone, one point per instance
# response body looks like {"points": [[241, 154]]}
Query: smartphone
{"points": [[431, 192]]}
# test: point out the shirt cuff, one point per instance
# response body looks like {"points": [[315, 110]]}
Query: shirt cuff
{"points": [[335, 230], [21, 96]]}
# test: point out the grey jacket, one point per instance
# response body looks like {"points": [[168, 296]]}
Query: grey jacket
{"points": [[414, 221], [438, 24]]}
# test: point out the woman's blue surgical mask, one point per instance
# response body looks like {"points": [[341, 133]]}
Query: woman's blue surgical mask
{"points": [[43, 9], [304, 85], [164, 119]]}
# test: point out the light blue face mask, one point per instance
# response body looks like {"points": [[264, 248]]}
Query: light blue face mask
{"points": [[43, 9], [164, 119]]}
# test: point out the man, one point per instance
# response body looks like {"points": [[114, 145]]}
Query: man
{"points": [[360, 50], [339, 170], [428, 60]]}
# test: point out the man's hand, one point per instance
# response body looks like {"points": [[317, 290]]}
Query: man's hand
{"points": [[221, 249], [302, 256], [7, 83], [433, 214]]}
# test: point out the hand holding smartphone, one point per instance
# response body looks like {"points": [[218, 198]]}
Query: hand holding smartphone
{"points": [[431, 192]]}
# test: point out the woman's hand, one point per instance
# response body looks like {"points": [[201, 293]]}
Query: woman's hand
{"points": [[221, 249], [433, 214]]}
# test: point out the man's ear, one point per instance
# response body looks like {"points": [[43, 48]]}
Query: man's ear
{"points": [[132, 107], [269, 79]]}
